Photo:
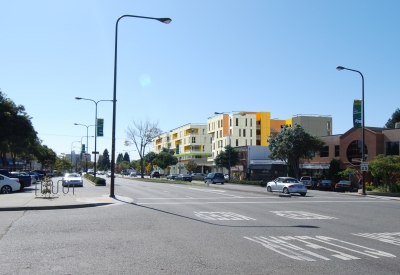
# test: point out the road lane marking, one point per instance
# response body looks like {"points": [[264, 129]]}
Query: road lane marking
{"points": [[392, 238], [323, 246], [301, 215], [222, 216]]}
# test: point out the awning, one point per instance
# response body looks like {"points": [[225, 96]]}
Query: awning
{"points": [[314, 166]]}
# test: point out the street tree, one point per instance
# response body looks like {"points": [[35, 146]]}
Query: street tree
{"points": [[140, 134], [45, 156], [63, 164], [164, 160], [392, 121], [104, 161], [120, 158], [387, 167], [294, 145], [126, 157], [191, 165], [227, 158]]}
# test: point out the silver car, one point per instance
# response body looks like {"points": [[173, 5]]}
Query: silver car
{"points": [[73, 179], [287, 185]]}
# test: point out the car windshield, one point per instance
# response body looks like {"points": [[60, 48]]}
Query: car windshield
{"points": [[73, 176], [290, 180]]}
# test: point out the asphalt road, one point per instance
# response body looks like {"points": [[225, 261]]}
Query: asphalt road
{"points": [[184, 229]]}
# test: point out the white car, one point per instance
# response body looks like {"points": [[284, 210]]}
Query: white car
{"points": [[287, 185], [73, 179], [8, 185]]}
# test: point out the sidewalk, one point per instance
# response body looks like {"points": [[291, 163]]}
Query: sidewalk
{"points": [[88, 196]]}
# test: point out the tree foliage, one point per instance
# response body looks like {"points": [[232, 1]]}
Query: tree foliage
{"points": [[126, 157], [191, 165], [392, 121], [63, 164], [227, 158], [140, 134], [386, 167], [294, 145], [104, 161], [164, 159]]}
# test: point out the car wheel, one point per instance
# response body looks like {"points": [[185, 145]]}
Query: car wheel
{"points": [[212, 182], [303, 194], [6, 189], [269, 189], [285, 190], [222, 182]]}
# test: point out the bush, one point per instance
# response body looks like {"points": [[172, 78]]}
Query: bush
{"points": [[369, 187], [97, 181]]}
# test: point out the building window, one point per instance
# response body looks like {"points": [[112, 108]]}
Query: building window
{"points": [[240, 132], [246, 122], [244, 133], [210, 139], [203, 131], [237, 122], [325, 152], [218, 123], [337, 150], [251, 122], [354, 152], [328, 125], [217, 134], [392, 148], [251, 142], [230, 122], [251, 132], [237, 142], [193, 139], [220, 133]]}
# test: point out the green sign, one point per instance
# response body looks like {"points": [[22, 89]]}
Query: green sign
{"points": [[100, 125], [357, 121], [83, 149]]}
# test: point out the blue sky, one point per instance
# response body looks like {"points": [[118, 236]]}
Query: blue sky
{"points": [[257, 55]]}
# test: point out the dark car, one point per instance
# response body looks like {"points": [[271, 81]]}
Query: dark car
{"points": [[214, 178], [325, 185], [172, 176], [184, 177], [198, 176], [343, 185], [155, 174]]}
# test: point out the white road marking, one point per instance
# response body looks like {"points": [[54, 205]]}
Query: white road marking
{"points": [[222, 216], [392, 238], [301, 215], [322, 244]]}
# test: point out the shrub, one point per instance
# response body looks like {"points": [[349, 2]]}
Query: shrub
{"points": [[369, 187], [97, 181]]}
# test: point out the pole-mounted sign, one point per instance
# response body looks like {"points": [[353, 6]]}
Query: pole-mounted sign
{"points": [[100, 125]]}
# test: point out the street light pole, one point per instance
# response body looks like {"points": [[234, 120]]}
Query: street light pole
{"points": [[95, 131], [87, 140], [163, 20], [363, 123]]}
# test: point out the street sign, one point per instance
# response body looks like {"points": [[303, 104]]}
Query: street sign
{"points": [[95, 152], [364, 166], [356, 160]]}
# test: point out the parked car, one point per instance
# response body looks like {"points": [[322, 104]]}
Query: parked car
{"points": [[287, 185], [8, 185], [214, 178], [184, 177], [125, 173], [41, 173], [24, 180], [226, 176], [72, 179], [343, 185], [100, 172], [171, 176], [325, 185], [309, 181], [90, 171], [155, 174], [199, 175], [132, 174]]}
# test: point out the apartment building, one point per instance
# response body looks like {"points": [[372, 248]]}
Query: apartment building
{"points": [[255, 128], [189, 142]]}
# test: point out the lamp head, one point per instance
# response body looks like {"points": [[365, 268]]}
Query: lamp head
{"points": [[75, 123], [165, 20], [78, 98], [339, 68]]}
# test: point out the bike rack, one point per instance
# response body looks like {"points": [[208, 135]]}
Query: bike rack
{"points": [[52, 187]]}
